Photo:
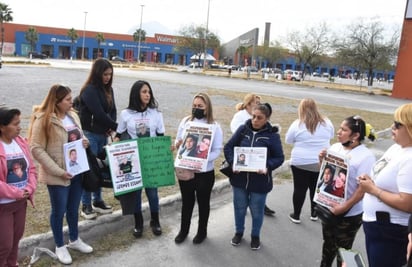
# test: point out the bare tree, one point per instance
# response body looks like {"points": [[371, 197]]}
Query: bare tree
{"points": [[309, 45], [368, 47]]}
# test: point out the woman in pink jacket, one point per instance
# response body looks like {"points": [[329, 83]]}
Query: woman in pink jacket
{"points": [[17, 184]]}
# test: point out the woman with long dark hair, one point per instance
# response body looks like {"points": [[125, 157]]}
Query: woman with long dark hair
{"points": [[97, 112]]}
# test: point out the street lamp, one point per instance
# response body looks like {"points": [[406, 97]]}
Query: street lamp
{"points": [[84, 32], [140, 34], [207, 29]]}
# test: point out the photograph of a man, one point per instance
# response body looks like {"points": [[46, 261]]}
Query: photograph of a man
{"points": [[241, 159], [142, 130], [189, 147], [125, 165]]}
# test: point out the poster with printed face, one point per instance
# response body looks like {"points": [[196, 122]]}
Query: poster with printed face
{"points": [[75, 157], [249, 159], [332, 183], [124, 166], [194, 152]]}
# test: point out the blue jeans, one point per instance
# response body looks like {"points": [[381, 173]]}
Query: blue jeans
{"points": [[96, 143], [65, 200], [385, 244], [152, 197], [242, 199]]}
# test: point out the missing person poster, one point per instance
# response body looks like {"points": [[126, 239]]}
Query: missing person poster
{"points": [[249, 159], [332, 182], [194, 152], [124, 166], [75, 157]]}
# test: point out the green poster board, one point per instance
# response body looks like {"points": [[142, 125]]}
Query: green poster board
{"points": [[156, 161]]}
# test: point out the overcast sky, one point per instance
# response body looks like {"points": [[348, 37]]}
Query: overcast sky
{"points": [[227, 18]]}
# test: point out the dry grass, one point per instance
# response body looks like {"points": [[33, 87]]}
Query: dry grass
{"points": [[284, 112]]}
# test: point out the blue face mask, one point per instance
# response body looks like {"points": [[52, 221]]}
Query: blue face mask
{"points": [[198, 113]]}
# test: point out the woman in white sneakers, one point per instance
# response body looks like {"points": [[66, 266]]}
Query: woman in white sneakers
{"points": [[51, 125]]}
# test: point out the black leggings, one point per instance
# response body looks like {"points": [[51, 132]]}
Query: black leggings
{"points": [[200, 188], [302, 180]]}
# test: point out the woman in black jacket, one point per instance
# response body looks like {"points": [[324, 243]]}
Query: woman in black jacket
{"points": [[250, 188], [97, 112]]}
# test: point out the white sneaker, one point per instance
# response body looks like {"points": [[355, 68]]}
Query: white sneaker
{"points": [[80, 246], [63, 255]]}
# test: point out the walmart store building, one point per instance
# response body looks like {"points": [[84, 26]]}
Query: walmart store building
{"points": [[55, 43]]}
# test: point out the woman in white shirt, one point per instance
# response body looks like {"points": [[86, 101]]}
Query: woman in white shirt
{"points": [[200, 186], [308, 134], [387, 203]]}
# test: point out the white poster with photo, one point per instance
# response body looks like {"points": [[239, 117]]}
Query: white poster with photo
{"points": [[194, 152], [75, 157], [124, 166], [332, 183], [249, 159]]}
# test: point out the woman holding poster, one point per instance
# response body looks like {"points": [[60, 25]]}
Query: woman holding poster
{"points": [[200, 187], [359, 159], [251, 188], [50, 128], [142, 110]]}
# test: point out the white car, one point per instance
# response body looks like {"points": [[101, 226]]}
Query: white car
{"points": [[292, 75]]}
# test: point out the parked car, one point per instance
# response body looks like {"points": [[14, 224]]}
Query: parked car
{"points": [[34, 54], [195, 65], [119, 59], [292, 75]]}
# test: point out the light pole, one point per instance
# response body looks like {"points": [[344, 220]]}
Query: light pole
{"points": [[207, 29], [84, 33], [140, 34]]}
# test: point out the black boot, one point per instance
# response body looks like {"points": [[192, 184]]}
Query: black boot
{"points": [[201, 233], [138, 225], [184, 229], [155, 224]]}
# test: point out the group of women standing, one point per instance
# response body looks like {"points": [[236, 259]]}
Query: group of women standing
{"points": [[379, 194]]}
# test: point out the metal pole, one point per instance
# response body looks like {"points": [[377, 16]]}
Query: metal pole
{"points": [[140, 34], [84, 32], [207, 29]]}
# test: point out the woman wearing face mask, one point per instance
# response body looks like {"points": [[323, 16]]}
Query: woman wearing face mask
{"points": [[200, 187], [360, 159]]}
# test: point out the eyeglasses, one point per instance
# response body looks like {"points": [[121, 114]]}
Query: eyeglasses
{"points": [[397, 124]]}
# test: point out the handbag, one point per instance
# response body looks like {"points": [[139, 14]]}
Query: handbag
{"points": [[98, 175], [326, 216], [184, 174], [226, 169]]}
